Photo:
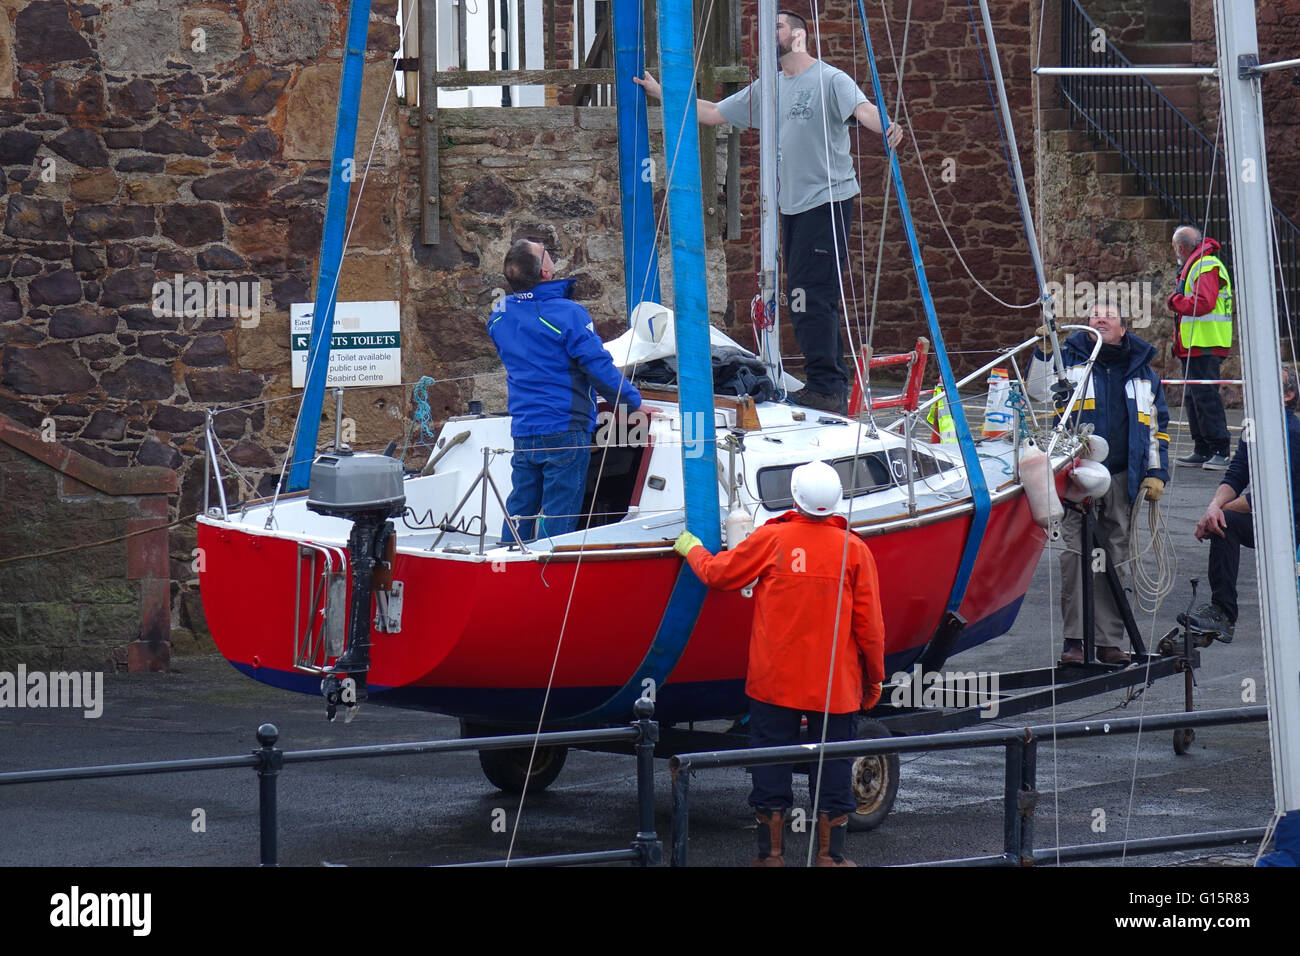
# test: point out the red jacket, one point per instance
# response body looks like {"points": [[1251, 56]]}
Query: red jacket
{"points": [[797, 562], [1201, 303]]}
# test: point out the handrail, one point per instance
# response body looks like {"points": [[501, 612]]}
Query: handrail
{"points": [[1140, 123]]}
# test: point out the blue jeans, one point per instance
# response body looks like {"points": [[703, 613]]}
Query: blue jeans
{"points": [[549, 477], [773, 726]]}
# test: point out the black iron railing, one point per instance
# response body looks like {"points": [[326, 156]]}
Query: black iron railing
{"points": [[269, 761], [1172, 159], [1020, 791]]}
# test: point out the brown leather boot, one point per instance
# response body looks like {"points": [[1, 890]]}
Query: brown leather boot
{"points": [[770, 833], [830, 840]]}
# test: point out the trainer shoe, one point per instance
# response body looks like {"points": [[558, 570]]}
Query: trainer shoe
{"points": [[1209, 619], [1195, 458], [1216, 463]]}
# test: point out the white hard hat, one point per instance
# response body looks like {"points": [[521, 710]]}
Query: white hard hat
{"points": [[816, 488]]}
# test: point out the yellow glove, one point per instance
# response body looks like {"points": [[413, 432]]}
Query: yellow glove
{"points": [[1154, 488], [1044, 346], [685, 541]]}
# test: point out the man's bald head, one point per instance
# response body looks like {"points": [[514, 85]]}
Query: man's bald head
{"points": [[1186, 238]]}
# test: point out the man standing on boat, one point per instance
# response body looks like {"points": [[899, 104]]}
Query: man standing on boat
{"points": [[817, 186], [1126, 405], [816, 614], [1202, 306], [1228, 526], [554, 360]]}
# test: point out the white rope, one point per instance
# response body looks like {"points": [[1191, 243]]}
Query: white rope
{"points": [[1150, 589]]}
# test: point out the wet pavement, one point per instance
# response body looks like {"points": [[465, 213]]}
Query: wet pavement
{"points": [[434, 809]]}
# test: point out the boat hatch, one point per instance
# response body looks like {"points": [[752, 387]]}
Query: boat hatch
{"points": [[875, 471]]}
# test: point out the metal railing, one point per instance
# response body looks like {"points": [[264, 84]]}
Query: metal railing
{"points": [[1020, 794], [1173, 160], [643, 733]]}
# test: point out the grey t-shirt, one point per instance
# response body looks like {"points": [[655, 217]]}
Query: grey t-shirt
{"points": [[814, 163]]}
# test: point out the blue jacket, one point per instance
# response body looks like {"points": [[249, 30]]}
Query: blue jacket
{"points": [[553, 360], [1237, 477], [1147, 440]]}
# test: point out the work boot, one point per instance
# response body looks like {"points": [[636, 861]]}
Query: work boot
{"points": [[1113, 655], [807, 398], [1072, 653], [1195, 458], [769, 833], [1216, 463], [1209, 619], [830, 840]]}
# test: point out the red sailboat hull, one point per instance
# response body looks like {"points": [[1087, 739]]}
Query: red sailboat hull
{"points": [[485, 641]]}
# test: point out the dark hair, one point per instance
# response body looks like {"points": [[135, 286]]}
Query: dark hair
{"points": [[799, 22], [523, 268], [1289, 384]]}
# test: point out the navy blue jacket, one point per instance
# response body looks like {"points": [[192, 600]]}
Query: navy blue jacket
{"points": [[1237, 477], [1148, 415], [553, 360]]}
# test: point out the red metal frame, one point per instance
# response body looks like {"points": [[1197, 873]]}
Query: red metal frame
{"points": [[911, 395]]}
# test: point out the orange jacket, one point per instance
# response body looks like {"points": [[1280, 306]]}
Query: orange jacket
{"points": [[797, 561]]}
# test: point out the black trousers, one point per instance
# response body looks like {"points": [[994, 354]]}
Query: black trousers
{"points": [[815, 249], [1205, 417], [1225, 559]]}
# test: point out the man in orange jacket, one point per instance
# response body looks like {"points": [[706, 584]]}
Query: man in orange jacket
{"points": [[817, 626]]}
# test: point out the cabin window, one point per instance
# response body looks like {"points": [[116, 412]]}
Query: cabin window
{"points": [[859, 475]]}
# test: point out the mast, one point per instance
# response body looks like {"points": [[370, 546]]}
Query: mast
{"points": [[1026, 215], [768, 136], [1255, 305], [636, 186], [331, 244]]}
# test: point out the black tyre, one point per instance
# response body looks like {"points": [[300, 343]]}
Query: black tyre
{"points": [[508, 770], [874, 780]]}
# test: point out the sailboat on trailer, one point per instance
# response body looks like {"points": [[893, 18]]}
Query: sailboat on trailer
{"points": [[576, 627]]}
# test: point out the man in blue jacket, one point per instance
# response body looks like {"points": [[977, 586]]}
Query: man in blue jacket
{"points": [[1228, 526], [1126, 406], [554, 363]]}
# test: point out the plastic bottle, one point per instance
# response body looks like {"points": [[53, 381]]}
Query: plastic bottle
{"points": [[999, 414]]}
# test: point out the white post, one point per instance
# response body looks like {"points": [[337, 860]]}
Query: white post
{"points": [[1255, 313], [768, 136]]}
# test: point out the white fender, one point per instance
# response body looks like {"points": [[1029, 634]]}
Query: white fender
{"points": [[1096, 448], [1088, 479], [1036, 476]]}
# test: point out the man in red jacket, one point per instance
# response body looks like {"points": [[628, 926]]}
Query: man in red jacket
{"points": [[1202, 305], [817, 626]]}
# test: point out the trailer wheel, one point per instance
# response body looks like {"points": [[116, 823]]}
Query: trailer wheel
{"points": [[1183, 737], [508, 769], [874, 779]]}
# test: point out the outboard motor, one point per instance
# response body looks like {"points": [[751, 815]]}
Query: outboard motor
{"points": [[367, 489]]}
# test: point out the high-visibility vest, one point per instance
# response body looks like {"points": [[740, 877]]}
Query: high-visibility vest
{"points": [[943, 428], [1213, 331]]}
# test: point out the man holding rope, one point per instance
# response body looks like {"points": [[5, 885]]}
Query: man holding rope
{"points": [[817, 187], [817, 628]]}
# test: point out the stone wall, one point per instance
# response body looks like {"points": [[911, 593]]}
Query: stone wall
{"points": [[147, 140], [107, 606]]}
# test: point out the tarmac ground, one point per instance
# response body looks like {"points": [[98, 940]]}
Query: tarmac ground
{"points": [[412, 811]]}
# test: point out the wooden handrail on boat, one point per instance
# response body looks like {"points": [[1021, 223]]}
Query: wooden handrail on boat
{"points": [[746, 411]]}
